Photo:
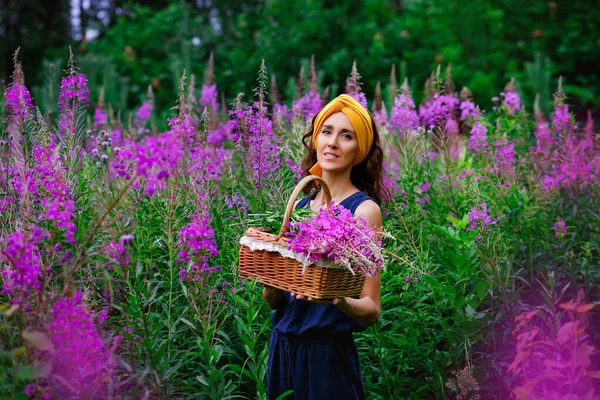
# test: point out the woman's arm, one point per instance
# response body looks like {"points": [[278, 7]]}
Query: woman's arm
{"points": [[367, 308], [274, 297]]}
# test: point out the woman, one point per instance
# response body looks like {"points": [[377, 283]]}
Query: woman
{"points": [[312, 351]]}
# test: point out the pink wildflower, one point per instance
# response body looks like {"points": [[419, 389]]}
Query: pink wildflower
{"points": [[18, 100], [404, 117], [198, 245], [208, 98], [478, 216], [438, 110], [478, 139], [79, 357], [335, 235], [73, 96], [504, 156], [468, 110], [22, 272], [512, 101], [143, 114], [100, 118], [307, 106], [560, 228]]}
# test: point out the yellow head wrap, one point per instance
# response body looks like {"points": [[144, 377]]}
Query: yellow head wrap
{"points": [[360, 120]]}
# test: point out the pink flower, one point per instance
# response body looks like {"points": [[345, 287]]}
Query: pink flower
{"points": [[18, 100], [22, 272], [307, 106], [404, 116], [216, 137], [73, 96], [562, 121], [208, 98], [143, 114], [478, 139], [79, 357], [198, 246], [381, 117], [280, 111], [253, 132], [512, 101], [100, 118], [560, 228], [452, 127], [116, 253], [438, 110], [504, 156], [478, 216], [468, 110], [543, 139], [335, 235], [361, 98]]}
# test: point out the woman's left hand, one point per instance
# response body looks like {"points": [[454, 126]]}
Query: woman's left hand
{"points": [[336, 302]]}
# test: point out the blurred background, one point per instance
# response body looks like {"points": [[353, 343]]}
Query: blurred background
{"points": [[124, 46]]}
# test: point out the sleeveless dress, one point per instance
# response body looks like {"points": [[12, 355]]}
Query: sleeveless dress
{"points": [[311, 350]]}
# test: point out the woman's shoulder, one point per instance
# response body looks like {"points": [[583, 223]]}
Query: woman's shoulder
{"points": [[370, 210]]}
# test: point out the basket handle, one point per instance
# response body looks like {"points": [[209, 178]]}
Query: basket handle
{"points": [[294, 196]]}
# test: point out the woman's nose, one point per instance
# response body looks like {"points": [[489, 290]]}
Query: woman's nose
{"points": [[332, 140]]}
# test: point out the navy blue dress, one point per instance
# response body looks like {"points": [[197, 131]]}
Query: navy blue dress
{"points": [[311, 350]]}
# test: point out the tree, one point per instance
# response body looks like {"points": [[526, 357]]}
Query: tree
{"points": [[33, 26]]}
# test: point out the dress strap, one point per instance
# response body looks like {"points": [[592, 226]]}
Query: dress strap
{"points": [[305, 200], [354, 200], [351, 202]]}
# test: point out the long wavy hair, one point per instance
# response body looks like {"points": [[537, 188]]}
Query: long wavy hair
{"points": [[366, 176]]}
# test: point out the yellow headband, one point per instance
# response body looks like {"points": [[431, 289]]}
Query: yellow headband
{"points": [[360, 120]]}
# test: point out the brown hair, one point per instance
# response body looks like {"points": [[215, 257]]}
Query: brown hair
{"points": [[366, 176]]}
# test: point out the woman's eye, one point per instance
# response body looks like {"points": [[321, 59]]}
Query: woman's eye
{"points": [[346, 136], [325, 132]]}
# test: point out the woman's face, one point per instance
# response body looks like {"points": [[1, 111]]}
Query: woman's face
{"points": [[336, 144]]}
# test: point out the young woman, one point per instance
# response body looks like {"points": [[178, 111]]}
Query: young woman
{"points": [[311, 350]]}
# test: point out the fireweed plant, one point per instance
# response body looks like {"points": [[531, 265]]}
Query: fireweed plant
{"points": [[335, 236], [119, 242], [554, 349]]}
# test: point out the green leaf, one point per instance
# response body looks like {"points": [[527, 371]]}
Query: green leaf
{"points": [[202, 380], [25, 373], [241, 370], [31, 372], [470, 311], [284, 395], [188, 323]]}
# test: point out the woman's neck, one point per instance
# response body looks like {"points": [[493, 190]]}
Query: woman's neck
{"points": [[340, 186]]}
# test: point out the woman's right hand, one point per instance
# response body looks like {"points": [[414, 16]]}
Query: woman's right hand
{"points": [[273, 296]]}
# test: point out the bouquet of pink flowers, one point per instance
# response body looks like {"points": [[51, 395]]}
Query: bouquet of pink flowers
{"points": [[335, 236]]}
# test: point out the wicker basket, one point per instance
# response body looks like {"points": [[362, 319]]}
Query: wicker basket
{"points": [[283, 272]]}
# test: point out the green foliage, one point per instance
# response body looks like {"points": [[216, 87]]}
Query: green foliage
{"points": [[485, 43], [450, 293], [148, 47]]}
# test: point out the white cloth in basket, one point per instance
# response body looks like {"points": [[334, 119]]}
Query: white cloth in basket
{"points": [[254, 244]]}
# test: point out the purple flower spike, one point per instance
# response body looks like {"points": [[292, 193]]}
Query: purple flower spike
{"points": [[334, 235], [126, 239]]}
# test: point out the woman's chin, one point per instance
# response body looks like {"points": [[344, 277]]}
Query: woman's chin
{"points": [[334, 169]]}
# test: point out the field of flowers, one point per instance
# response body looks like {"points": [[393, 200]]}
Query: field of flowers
{"points": [[119, 243]]}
